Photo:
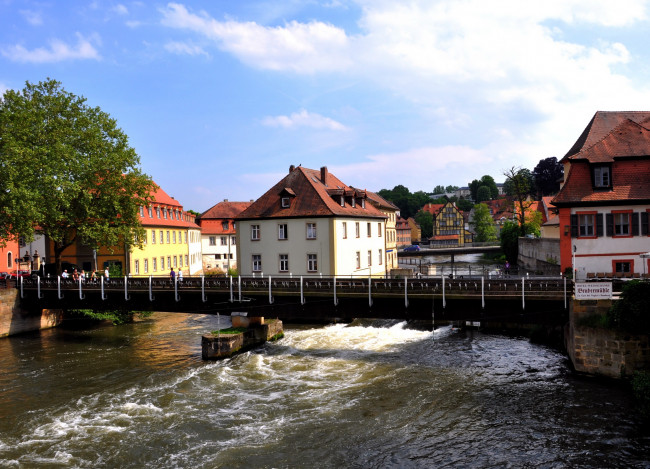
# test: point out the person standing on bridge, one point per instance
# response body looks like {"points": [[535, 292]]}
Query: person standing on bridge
{"points": [[106, 275], [172, 275], [507, 268]]}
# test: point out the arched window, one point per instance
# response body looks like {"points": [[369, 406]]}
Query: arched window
{"points": [[10, 260]]}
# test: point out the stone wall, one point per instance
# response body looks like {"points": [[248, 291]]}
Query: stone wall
{"points": [[540, 255], [603, 352], [15, 320]]}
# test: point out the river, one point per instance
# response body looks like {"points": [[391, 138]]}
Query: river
{"points": [[139, 395]]}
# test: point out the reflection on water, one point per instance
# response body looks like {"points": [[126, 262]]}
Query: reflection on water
{"points": [[139, 395]]}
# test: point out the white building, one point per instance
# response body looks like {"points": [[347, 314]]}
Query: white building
{"points": [[311, 223]]}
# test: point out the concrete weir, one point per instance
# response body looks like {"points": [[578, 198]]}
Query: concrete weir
{"points": [[258, 331]]}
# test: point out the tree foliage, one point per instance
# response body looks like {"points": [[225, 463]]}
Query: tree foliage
{"points": [[547, 175], [66, 168], [518, 181], [510, 241], [630, 312], [487, 181], [439, 189], [425, 220], [483, 194], [483, 224], [409, 204]]}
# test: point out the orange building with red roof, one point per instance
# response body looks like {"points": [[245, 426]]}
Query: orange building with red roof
{"points": [[605, 198]]}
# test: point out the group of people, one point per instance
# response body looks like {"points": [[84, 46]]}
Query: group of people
{"points": [[76, 275], [172, 275]]}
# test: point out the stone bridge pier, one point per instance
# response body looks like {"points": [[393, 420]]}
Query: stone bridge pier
{"points": [[15, 319]]}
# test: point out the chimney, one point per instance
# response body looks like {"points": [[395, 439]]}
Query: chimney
{"points": [[291, 168], [323, 174], [225, 200]]}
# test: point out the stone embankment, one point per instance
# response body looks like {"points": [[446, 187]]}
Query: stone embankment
{"points": [[258, 331], [16, 320], [603, 352]]}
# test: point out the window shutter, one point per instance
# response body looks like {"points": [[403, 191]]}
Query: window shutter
{"points": [[644, 223], [574, 226], [635, 224], [599, 224], [609, 222]]}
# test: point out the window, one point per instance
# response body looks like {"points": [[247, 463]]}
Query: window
{"points": [[162, 237], [312, 263], [257, 262], [255, 232], [165, 213], [10, 260], [146, 266], [622, 223], [158, 212], [286, 202], [342, 201], [585, 225], [369, 230], [224, 240], [602, 177], [356, 228], [174, 237], [284, 262], [379, 229], [155, 264], [363, 203], [150, 210], [381, 257], [186, 237], [311, 230], [345, 230], [233, 239], [167, 236], [358, 259], [180, 261], [625, 266], [141, 211], [162, 263], [283, 232], [369, 258], [186, 263], [224, 225], [175, 261], [137, 267], [217, 256], [213, 240], [169, 262]]}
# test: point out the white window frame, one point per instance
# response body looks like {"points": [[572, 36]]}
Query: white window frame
{"points": [[283, 231], [285, 261], [311, 231], [256, 262], [312, 262], [255, 233]]}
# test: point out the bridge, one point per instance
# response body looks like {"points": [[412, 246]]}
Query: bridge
{"points": [[532, 300], [467, 249]]}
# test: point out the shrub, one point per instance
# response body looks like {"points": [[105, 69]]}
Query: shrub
{"points": [[630, 312], [641, 389]]}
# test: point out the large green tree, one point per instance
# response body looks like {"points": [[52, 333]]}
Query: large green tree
{"points": [[518, 180], [425, 220], [547, 175], [67, 171], [484, 181], [483, 224]]}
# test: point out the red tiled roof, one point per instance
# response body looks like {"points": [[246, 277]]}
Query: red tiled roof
{"points": [[627, 149], [225, 209], [433, 209], [312, 198], [178, 218], [600, 125], [380, 201]]}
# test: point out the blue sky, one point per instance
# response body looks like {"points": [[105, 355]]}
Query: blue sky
{"points": [[220, 97]]}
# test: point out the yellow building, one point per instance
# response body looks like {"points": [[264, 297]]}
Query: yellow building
{"points": [[172, 240], [449, 226], [392, 212]]}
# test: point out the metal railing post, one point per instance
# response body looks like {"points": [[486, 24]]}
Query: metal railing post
{"points": [[151, 297], [483, 292], [270, 295], [444, 299], [204, 298], [177, 298], [336, 301], [81, 295], [523, 285], [126, 289]]}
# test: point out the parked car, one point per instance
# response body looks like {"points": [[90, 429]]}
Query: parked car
{"points": [[412, 248]]}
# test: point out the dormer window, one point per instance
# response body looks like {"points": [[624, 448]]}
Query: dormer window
{"points": [[602, 177], [353, 202], [286, 202], [342, 201], [363, 203]]}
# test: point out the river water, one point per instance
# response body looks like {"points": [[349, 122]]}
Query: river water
{"points": [[384, 396]]}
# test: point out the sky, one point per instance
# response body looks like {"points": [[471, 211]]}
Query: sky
{"points": [[220, 97]]}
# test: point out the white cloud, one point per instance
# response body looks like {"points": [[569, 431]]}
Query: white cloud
{"points": [[299, 47], [58, 51], [34, 18], [121, 9], [303, 119], [184, 48]]}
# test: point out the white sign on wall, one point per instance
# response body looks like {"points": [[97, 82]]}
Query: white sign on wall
{"points": [[593, 291]]}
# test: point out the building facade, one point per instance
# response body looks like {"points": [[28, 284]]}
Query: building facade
{"points": [[219, 235], [403, 231], [391, 211], [604, 200], [311, 223]]}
